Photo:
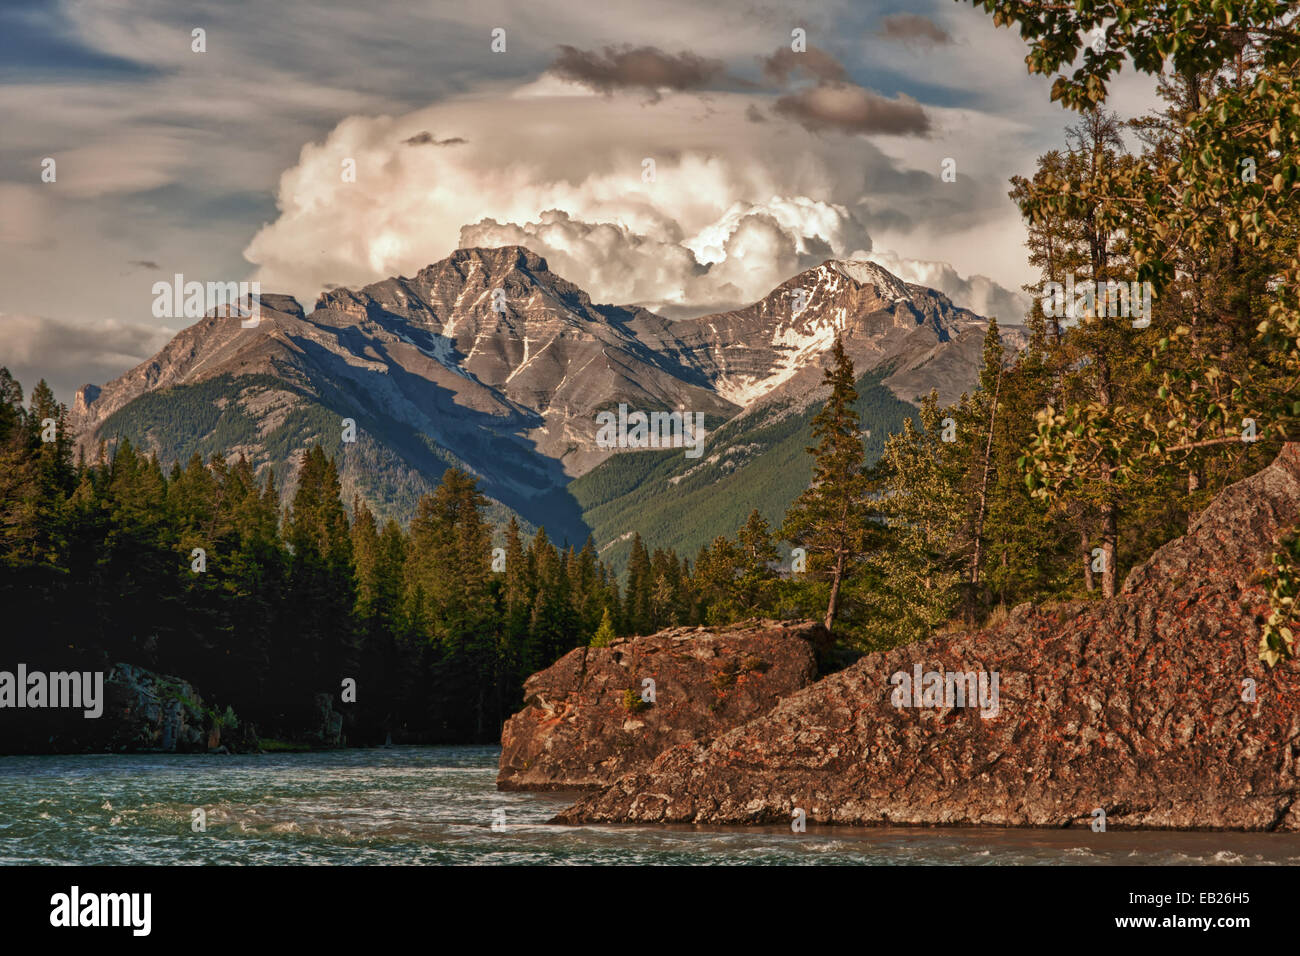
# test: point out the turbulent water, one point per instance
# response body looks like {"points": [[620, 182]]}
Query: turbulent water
{"points": [[409, 805]]}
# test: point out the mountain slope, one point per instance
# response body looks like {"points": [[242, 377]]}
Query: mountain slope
{"points": [[756, 460]]}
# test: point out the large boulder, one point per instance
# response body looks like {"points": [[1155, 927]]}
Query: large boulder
{"points": [[1151, 708], [586, 720]]}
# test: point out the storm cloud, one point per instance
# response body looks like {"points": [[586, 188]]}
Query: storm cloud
{"points": [[628, 67], [813, 62], [847, 108]]}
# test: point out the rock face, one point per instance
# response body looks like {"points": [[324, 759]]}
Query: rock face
{"points": [[152, 712], [328, 729], [1151, 707], [148, 711], [586, 723]]}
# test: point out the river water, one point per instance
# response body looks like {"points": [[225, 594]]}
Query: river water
{"points": [[414, 805]]}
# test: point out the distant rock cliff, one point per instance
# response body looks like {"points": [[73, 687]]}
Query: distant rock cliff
{"points": [[586, 721], [1151, 708], [142, 711], [149, 711]]}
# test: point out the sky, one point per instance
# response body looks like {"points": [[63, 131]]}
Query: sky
{"points": [[671, 154]]}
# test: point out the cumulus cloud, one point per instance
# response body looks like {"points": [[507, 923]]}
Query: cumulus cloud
{"points": [[737, 259], [68, 355], [847, 108], [978, 293], [727, 189], [913, 28], [625, 266], [814, 226], [643, 67], [734, 207]]}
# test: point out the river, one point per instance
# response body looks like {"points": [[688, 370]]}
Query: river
{"points": [[438, 805]]}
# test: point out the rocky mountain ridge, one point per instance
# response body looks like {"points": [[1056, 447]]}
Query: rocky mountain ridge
{"points": [[488, 361]]}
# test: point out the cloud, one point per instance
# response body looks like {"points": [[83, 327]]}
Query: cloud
{"points": [[630, 67], [750, 249], [68, 355], [615, 263], [846, 108], [754, 114], [814, 62], [686, 242], [836, 103], [579, 199], [913, 28], [815, 227], [425, 138]]}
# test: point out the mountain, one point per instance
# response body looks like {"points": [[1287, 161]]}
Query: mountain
{"points": [[490, 362], [772, 350], [904, 340]]}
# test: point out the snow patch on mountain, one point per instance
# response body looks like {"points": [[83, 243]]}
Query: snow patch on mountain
{"points": [[798, 345], [439, 348], [868, 273]]}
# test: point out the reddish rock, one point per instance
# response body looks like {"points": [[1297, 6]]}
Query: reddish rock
{"points": [[1133, 706], [582, 728]]}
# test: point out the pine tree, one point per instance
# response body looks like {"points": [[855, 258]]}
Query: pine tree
{"points": [[321, 651], [754, 586], [605, 632], [639, 601], [830, 518], [926, 507]]}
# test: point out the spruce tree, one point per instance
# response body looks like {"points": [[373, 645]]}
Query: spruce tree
{"points": [[830, 518], [605, 632]]}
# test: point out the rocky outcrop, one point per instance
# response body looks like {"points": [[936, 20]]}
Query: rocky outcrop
{"points": [[1151, 708], [589, 716], [138, 711], [84, 398], [327, 723], [146, 711]]}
